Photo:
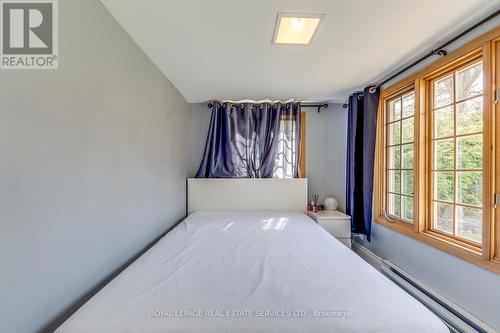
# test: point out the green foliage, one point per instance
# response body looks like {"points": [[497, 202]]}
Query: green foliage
{"points": [[444, 185], [444, 154], [470, 152]]}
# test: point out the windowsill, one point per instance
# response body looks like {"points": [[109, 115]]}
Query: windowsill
{"points": [[462, 250]]}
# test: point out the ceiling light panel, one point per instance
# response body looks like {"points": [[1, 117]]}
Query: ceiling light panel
{"points": [[296, 28]]}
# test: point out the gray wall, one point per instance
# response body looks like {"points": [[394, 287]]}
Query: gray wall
{"points": [[93, 161], [475, 289], [326, 152], [199, 127]]}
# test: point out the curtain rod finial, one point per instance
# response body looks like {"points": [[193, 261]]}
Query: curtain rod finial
{"points": [[325, 105], [440, 52]]}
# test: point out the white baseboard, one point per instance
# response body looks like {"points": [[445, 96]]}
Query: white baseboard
{"points": [[367, 255]]}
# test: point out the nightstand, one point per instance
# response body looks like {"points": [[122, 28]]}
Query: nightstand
{"points": [[336, 223]]}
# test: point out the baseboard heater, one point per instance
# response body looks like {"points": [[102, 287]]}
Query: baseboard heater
{"points": [[456, 318]]}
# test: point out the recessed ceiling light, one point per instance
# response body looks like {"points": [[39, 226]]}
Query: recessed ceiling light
{"points": [[296, 28]]}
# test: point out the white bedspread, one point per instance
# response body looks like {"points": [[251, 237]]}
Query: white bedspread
{"points": [[251, 272]]}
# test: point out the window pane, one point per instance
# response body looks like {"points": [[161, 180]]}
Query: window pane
{"points": [[470, 188], [443, 122], [394, 181], [394, 205], [408, 104], [408, 156], [443, 91], [394, 157], [443, 185], [443, 217], [470, 152], [470, 116], [470, 81], [444, 154], [407, 208], [407, 182], [394, 133], [469, 223], [394, 109], [408, 130]]}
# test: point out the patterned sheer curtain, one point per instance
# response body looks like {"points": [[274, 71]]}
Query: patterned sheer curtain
{"points": [[287, 157], [252, 140]]}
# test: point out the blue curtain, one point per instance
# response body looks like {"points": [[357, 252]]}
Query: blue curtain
{"points": [[361, 132], [243, 139]]}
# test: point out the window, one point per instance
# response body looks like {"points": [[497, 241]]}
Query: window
{"points": [[400, 156], [457, 153], [435, 176], [286, 158]]}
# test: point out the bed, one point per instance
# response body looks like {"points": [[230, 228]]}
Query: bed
{"points": [[257, 270]]}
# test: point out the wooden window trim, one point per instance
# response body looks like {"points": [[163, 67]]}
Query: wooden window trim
{"points": [[302, 149], [487, 256], [495, 83]]}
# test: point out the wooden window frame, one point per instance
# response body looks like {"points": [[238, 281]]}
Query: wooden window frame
{"points": [[494, 247], [429, 81], [385, 169], [302, 149], [486, 47]]}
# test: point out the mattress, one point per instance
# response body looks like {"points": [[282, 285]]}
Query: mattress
{"points": [[251, 272]]}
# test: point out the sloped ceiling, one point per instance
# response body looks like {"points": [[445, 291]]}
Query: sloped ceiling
{"points": [[221, 49]]}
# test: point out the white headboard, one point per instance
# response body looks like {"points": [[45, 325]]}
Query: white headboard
{"points": [[256, 194]]}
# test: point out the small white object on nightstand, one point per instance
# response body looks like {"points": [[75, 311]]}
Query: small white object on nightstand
{"points": [[330, 203], [336, 223]]}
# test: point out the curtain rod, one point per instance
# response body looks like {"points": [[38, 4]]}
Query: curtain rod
{"points": [[312, 105], [304, 105]]}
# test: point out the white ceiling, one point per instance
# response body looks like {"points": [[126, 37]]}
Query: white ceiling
{"points": [[221, 49]]}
